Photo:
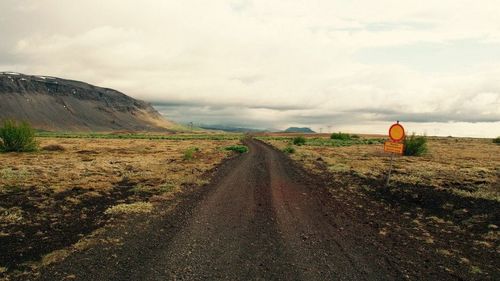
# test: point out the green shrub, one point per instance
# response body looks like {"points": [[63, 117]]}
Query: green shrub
{"points": [[496, 140], [17, 137], [340, 136], [300, 140], [415, 145], [190, 152], [355, 137], [289, 149], [237, 148]]}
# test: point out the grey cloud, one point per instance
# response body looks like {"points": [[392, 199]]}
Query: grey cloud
{"points": [[381, 114]]}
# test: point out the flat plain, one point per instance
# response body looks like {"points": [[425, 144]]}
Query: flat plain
{"points": [[112, 206], [448, 199], [57, 197]]}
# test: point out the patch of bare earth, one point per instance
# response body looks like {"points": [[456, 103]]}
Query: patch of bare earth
{"points": [[443, 208], [55, 198]]}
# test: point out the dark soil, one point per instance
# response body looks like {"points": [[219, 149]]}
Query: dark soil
{"points": [[52, 221], [263, 217]]}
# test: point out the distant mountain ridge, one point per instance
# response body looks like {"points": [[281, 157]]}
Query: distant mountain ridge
{"points": [[56, 104], [232, 129], [299, 130]]}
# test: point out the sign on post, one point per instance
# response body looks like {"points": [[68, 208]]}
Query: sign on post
{"points": [[396, 134], [393, 147]]}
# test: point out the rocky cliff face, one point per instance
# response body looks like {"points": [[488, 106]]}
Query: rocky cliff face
{"points": [[57, 104]]}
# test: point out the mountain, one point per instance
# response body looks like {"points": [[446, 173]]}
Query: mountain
{"points": [[299, 130], [56, 104], [231, 129]]}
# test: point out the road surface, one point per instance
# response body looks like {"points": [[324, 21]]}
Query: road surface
{"points": [[262, 218]]}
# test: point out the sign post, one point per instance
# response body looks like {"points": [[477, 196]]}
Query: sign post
{"points": [[396, 134]]}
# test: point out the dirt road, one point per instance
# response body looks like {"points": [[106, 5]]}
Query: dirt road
{"points": [[262, 218]]}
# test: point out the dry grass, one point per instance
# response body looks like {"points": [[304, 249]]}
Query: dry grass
{"points": [[100, 164], [133, 208], [440, 194], [471, 165], [62, 192]]}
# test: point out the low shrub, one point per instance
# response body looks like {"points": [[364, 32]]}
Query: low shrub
{"points": [[190, 153], [340, 136], [300, 140], [289, 149], [17, 137], [237, 148], [415, 145], [355, 137], [496, 140]]}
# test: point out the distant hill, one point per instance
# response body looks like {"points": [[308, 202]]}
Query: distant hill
{"points": [[231, 129], [304, 130], [56, 104]]}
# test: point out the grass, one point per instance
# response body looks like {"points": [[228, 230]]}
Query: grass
{"points": [[340, 136], [449, 162], [139, 136], [11, 215], [133, 208], [17, 137], [237, 148], [96, 172], [415, 145], [189, 154], [289, 149], [300, 140], [318, 141]]}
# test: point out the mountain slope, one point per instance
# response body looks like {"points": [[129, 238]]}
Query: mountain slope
{"points": [[57, 104]]}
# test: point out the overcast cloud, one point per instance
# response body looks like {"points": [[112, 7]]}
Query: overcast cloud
{"points": [[343, 65]]}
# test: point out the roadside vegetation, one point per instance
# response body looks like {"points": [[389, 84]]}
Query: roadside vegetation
{"points": [[415, 145], [192, 136], [17, 137], [189, 154], [318, 141], [340, 136], [496, 140], [300, 140], [237, 148], [289, 149], [74, 186], [447, 198]]}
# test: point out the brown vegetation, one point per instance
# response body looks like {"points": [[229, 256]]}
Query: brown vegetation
{"points": [[448, 199], [56, 197]]}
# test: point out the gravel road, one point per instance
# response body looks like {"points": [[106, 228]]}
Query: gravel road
{"points": [[261, 218]]}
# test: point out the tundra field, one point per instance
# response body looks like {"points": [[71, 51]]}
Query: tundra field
{"points": [[447, 199], [51, 201], [440, 209]]}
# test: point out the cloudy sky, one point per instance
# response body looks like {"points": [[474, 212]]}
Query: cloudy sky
{"points": [[337, 65]]}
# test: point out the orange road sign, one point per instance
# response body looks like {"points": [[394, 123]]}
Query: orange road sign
{"points": [[396, 132], [394, 147]]}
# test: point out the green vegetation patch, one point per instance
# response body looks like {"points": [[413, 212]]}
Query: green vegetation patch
{"points": [[189, 154], [300, 140], [340, 136], [237, 148], [17, 137], [496, 140], [329, 142], [415, 145], [289, 149]]}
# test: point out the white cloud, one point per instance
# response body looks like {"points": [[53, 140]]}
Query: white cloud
{"points": [[258, 56]]}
